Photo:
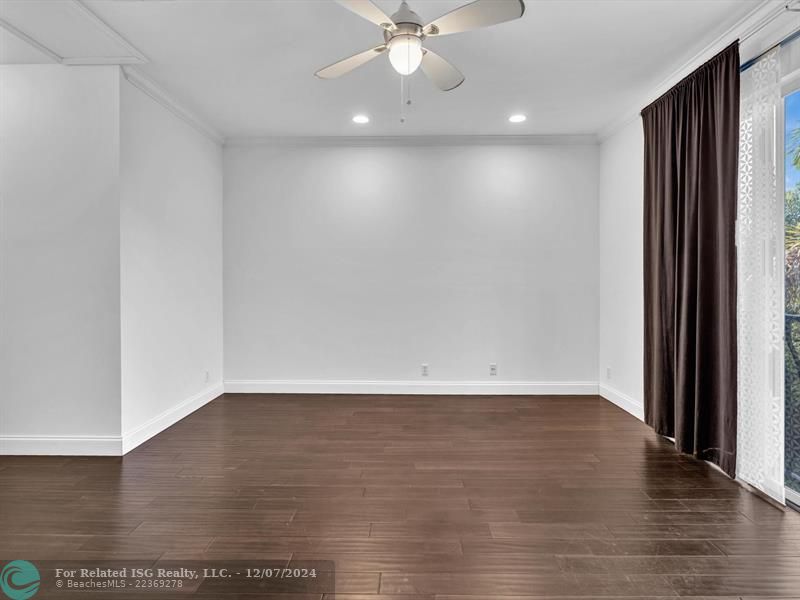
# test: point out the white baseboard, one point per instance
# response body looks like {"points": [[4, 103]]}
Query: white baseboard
{"points": [[117, 446], [105, 445], [19, 445], [137, 436], [411, 387], [624, 401]]}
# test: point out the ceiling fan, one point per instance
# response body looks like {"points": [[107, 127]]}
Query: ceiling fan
{"points": [[404, 32]]}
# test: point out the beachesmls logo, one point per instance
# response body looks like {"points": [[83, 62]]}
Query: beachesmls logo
{"points": [[19, 580]]}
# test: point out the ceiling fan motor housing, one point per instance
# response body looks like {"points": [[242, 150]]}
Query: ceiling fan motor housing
{"points": [[406, 22]]}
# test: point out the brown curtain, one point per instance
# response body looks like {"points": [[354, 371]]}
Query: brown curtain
{"points": [[690, 194]]}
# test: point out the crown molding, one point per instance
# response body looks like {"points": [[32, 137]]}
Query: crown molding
{"points": [[146, 85], [416, 140], [758, 18]]}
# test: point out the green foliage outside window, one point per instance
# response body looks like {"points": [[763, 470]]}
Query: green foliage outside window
{"points": [[792, 237]]}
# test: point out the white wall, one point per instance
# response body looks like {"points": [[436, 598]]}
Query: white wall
{"points": [[353, 264], [621, 318], [171, 265], [59, 257]]}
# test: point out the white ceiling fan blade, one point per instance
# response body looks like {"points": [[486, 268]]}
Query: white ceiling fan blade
{"points": [[346, 65], [443, 75], [480, 13], [368, 10]]}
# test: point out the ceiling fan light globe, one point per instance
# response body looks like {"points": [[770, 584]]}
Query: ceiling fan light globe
{"points": [[405, 53]]}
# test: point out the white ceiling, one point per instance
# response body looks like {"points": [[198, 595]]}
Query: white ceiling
{"points": [[67, 30], [247, 66]]}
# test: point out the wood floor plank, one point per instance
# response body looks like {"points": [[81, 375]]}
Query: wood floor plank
{"points": [[520, 584], [413, 498], [678, 565], [767, 586]]}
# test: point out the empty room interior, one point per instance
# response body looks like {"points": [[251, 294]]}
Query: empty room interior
{"points": [[383, 300]]}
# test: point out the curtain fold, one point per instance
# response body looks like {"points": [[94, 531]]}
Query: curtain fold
{"points": [[690, 200]]}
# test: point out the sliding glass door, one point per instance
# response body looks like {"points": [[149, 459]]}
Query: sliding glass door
{"points": [[791, 113], [768, 237]]}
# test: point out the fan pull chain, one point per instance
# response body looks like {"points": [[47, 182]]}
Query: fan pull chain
{"points": [[402, 100], [405, 97]]}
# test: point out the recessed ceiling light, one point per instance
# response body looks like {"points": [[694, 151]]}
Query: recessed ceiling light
{"points": [[361, 119], [517, 118]]}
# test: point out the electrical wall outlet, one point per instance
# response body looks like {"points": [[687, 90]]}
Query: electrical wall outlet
{"points": [[493, 369], [208, 376], [608, 372], [424, 369]]}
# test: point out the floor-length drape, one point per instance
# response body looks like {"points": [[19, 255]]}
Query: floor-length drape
{"points": [[690, 194]]}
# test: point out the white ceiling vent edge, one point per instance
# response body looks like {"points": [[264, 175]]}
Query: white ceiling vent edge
{"points": [[30, 41], [130, 55], [136, 57]]}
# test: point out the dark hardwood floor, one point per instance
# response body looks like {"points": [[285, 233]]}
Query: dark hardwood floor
{"points": [[445, 498]]}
